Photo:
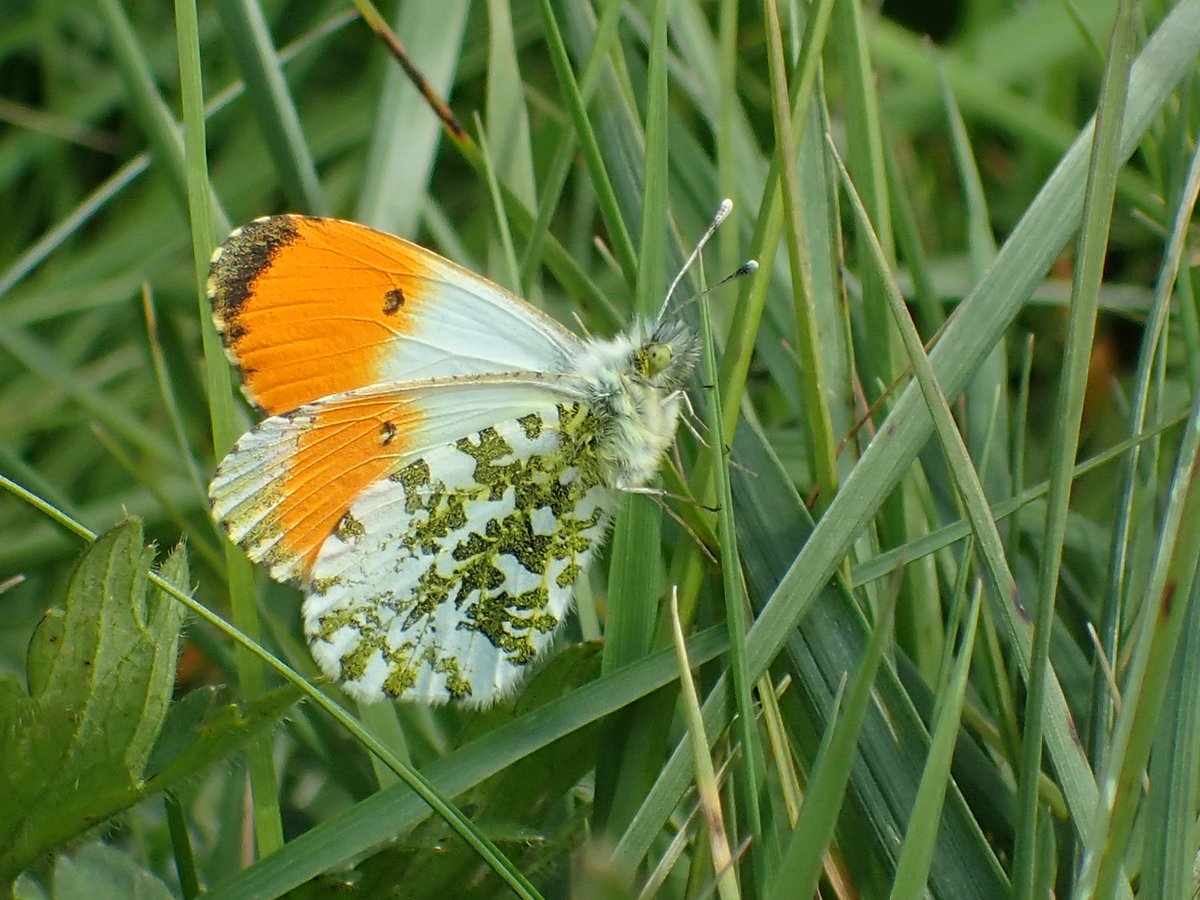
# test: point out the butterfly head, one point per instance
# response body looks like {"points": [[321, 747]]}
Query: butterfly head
{"points": [[667, 355]]}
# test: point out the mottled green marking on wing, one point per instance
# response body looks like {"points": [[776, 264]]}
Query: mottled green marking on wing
{"points": [[531, 425], [349, 528], [466, 570]]}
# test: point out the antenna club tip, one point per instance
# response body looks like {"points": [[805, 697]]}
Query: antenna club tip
{"points": [[726, 205], [751, 266]]}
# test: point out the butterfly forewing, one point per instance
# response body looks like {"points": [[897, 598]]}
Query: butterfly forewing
{"points": [[311, 307], [445, 580]]}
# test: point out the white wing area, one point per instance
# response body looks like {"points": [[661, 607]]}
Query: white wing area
{"points": [[468, 325], [446, 580]]}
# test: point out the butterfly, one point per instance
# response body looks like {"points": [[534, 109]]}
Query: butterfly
{"points": [[440, 459]]}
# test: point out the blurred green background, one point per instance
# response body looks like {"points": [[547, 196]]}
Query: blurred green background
{"points": [[583, 193]]}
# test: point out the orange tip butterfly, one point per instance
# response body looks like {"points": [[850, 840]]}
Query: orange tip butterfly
{"points": [[440, 459]]}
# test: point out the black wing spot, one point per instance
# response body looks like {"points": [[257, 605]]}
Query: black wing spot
{"points": [[392, 301]]}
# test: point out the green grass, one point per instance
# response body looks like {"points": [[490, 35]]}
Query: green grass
{"points": [[946, 495]]}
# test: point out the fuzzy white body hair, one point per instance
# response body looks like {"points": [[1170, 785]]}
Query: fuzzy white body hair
{"points": [[637, 410]]}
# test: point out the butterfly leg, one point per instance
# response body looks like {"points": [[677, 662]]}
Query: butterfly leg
{"points": [[660, 496], [690, 419]]}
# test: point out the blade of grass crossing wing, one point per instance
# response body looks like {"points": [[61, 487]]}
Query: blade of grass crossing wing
{"points": [[268, 820]]}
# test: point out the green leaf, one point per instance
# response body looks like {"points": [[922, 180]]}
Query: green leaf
{"points": [[198, 732], [101, 675]]}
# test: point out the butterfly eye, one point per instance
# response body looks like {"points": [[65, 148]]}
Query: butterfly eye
{"points": [[656, 357]]}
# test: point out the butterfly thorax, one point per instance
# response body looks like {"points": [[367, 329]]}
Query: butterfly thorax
{"points": [[634, 392]]}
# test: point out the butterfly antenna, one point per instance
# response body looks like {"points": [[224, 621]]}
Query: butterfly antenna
{"points": [[722, 213], [749, 267]]}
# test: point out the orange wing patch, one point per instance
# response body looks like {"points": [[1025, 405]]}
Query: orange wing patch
{"points": [[345, 448], [307, 306]]}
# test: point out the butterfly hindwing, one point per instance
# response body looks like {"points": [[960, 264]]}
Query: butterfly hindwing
{"points": [[285, 485], [445, 580]]}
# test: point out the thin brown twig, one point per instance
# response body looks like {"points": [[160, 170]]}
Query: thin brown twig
{"points": [[376, 23]]}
